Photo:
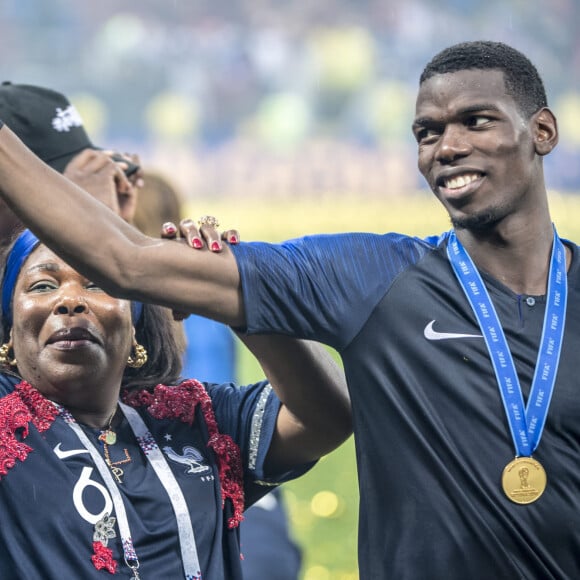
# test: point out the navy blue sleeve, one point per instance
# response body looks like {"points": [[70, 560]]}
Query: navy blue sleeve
{"points": [[321, 287], [248, 414]]}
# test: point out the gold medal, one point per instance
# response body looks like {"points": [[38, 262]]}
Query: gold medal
{"points": [[523, 480]]}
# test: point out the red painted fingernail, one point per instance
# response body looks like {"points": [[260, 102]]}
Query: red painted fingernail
{"points": [[169, 229], [196, 242], [233, 240], [215, 247]]}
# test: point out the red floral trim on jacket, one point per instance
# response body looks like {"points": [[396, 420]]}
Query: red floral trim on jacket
{"points": [[103, 558], [23, 406], [180, 402]]}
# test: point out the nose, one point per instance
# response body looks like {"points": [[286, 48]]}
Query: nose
{"points": [[70, 305], [453, 144]]}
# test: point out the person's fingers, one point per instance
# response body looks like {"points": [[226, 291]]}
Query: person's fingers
{"points": [[79, 160], [189, 231], [138, 176], [208, 229], [134, 157], [122, 182], [88, 161], [231, 236], [205, 234], [169, 231]]}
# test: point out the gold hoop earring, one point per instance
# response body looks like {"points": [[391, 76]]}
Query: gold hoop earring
{"points": [[140, 356], [5, 359]]}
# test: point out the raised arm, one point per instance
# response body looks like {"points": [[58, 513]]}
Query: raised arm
{"points": [[107, 250], [315, 416]]}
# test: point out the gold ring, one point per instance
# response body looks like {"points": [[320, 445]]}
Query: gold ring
{"points": [[208, 220]]}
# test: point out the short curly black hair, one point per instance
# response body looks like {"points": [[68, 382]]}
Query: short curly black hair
{"points": [[522, 80]]}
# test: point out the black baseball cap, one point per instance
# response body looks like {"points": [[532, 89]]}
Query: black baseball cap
{"points": [[45, 121]]}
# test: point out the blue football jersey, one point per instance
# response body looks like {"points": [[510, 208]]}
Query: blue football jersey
{"points": [[51, 500], [431, 434]]}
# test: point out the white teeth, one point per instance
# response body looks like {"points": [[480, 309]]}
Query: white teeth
{"points": [[460, 180]]}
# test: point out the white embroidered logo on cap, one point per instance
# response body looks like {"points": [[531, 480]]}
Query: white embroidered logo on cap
{"points": [[67, 118]]}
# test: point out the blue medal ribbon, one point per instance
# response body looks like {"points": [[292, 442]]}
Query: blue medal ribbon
{"points": [[526, 422]]}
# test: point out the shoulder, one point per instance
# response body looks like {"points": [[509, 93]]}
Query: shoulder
{"points": [[180, 402], [237, 407], [333, 251], [337, 240]]}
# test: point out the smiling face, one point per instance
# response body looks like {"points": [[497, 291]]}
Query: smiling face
{"points": [[68, 335], [477, 151]]}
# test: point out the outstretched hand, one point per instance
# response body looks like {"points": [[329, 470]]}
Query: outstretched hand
{"points": [[204, 235]]}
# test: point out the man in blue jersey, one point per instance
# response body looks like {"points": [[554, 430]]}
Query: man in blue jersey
{"points": [[460, 350]]}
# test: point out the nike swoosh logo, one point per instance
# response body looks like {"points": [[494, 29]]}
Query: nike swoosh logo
{"points": [[64, 454], [431, 334]]}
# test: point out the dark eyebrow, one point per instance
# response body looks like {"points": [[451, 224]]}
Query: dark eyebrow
{"points": [[469, 110], [478, 108], [422, 121], [49, 266]]}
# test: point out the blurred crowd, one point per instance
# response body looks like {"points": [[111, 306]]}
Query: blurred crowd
{"points": [[279, 90]]}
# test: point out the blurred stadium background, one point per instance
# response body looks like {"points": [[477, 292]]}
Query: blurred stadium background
{"points": [[288, 118]]}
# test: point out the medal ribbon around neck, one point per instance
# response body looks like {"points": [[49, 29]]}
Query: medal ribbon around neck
{"points": [[526, 423]]}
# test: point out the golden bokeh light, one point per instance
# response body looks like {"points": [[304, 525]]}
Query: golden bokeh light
{"points": [[325, 504]]}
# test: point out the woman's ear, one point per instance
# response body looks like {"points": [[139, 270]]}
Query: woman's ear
{"points": [[545, 131]]}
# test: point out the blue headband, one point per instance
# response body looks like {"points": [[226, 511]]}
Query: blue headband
{"points": [[22, 248]]}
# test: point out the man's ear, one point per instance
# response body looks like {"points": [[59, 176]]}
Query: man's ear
{"points": [[545, 131]]}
